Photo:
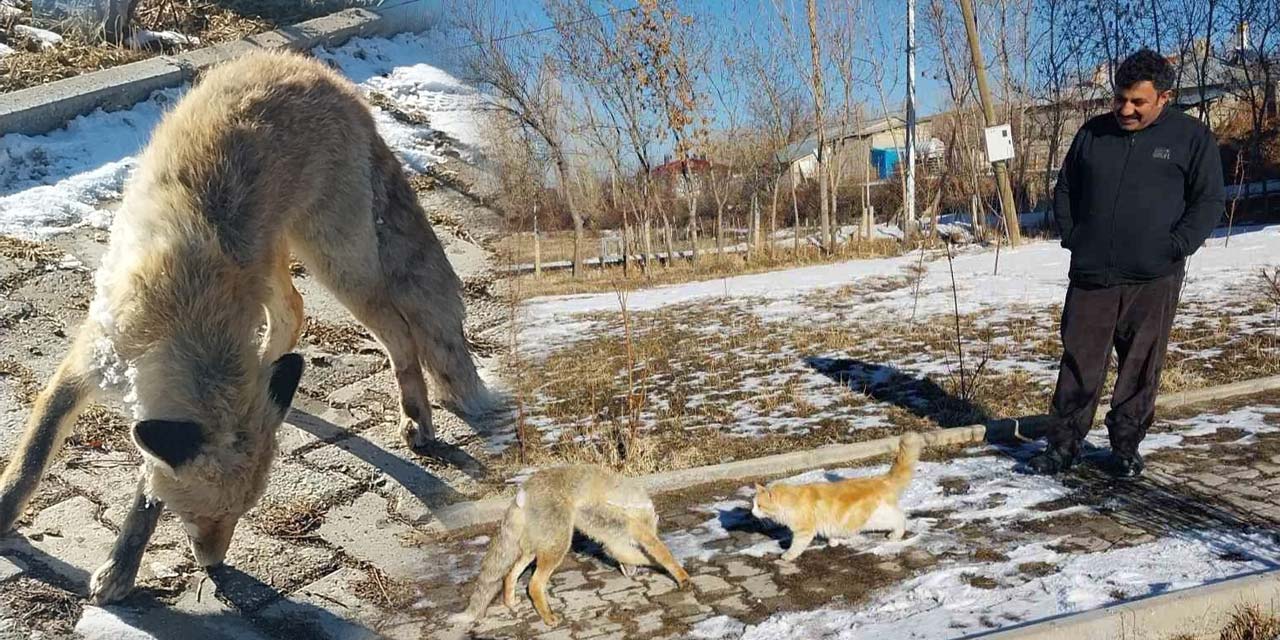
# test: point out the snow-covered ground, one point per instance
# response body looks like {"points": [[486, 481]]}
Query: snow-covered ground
{"points": [[62, 180], [944, 602], [753, 347], [1033, 275]]}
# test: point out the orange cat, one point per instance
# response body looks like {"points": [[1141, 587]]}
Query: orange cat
{"points": [[843, 508]]}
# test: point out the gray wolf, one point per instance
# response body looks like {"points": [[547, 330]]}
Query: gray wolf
{"points": [[268, 154]]}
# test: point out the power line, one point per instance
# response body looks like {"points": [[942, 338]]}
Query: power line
{"points": [[555, 25]]}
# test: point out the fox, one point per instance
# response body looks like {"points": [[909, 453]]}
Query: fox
{"points": [[839, 510], [194, 316], [538, 525]]}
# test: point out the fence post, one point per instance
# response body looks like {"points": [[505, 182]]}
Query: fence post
{"points": [[537, 249]]}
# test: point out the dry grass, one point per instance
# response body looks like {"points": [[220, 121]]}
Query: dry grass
{"points": [[1251, 623], [583, 391], [295, 521], [411, 117], [210, 22], [709, 266], [383, 591], [38, 606], [702, 369], [1248, 622], [19, 249], [24, 69], [28, 387], [101, 429], [339, 338]]}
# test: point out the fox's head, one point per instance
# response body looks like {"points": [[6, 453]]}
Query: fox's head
{"points": [[212, 469]]}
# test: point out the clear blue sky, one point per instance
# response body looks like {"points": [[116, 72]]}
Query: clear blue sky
{"points": [[890, 16]]}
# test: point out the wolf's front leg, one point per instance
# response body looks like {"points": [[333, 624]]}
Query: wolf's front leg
{"points": [[114, 579], [50, 423]]}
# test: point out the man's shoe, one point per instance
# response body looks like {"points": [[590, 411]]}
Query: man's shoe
{"points": [[1051, 461], [1126, 465]]}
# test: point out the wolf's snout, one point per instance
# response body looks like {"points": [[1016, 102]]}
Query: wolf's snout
{"points": [[210, 541]]}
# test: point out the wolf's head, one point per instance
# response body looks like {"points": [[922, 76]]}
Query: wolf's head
{"points": [[211, 470]]}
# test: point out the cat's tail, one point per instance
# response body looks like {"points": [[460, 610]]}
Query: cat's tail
{"points": [[909, 446]]}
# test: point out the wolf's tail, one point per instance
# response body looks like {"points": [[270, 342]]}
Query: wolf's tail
{"points": [[502, 554], [426, 290], [909, 446]]}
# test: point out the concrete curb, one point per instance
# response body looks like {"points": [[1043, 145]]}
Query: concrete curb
{"points": [[489, 510], [41, 109], [1199, 612]]}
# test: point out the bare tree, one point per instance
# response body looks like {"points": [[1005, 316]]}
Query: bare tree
{"points": [[1255, 61], [818, 87], [665, 60], [776, 108], [524, 81], [846, 44], [599, 50]]}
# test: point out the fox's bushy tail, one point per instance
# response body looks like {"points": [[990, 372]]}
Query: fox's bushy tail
{"points": [[503, 552]]}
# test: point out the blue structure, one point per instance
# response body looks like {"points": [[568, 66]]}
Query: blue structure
{"points": [[884, 160]]}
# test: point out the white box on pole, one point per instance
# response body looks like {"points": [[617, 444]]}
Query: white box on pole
{"points": [[999, 143]]}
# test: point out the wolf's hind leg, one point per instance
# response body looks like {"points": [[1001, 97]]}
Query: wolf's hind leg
{"points": [[354, 276], [114, 579], [427, 291], [52, 417]]}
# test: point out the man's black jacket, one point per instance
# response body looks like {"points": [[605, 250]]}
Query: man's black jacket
{"points": [[1132, 205]]}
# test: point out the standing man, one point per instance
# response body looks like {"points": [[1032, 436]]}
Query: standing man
{"points": [[1140, 189]]}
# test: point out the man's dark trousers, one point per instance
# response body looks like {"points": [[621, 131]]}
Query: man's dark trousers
{"points": [[1135, 319]]}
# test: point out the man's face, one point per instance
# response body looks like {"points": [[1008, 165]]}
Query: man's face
{"points": [[1139, 105]]}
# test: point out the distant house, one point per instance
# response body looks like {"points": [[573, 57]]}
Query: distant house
{"points": [[673, 170], [883, 140]]}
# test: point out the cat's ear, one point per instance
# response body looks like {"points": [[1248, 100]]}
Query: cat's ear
{"points": [[760, 488]]}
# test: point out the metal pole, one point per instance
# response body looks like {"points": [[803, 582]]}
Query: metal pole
{"points": [[989, 113], [910, 203]]}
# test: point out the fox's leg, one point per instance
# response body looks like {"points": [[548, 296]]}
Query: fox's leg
{"points": [[800, 541], [628, 555], [52, 417], [548, 561], [654, 546], [509, 583], [114, 579], [355, 279], [285, 313]]}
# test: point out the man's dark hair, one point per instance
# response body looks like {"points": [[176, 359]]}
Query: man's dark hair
{"points": [[1145, 64]]}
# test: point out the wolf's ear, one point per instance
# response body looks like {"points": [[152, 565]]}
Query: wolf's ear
{"points": [[286, 373], [172, 442]]}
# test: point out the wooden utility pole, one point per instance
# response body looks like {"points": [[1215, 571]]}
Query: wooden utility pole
{"points": [[989, 114]]}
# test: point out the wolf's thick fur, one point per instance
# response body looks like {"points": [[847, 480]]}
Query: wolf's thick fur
{"points": [[612, 509], [840, 509], [268, 154]]}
